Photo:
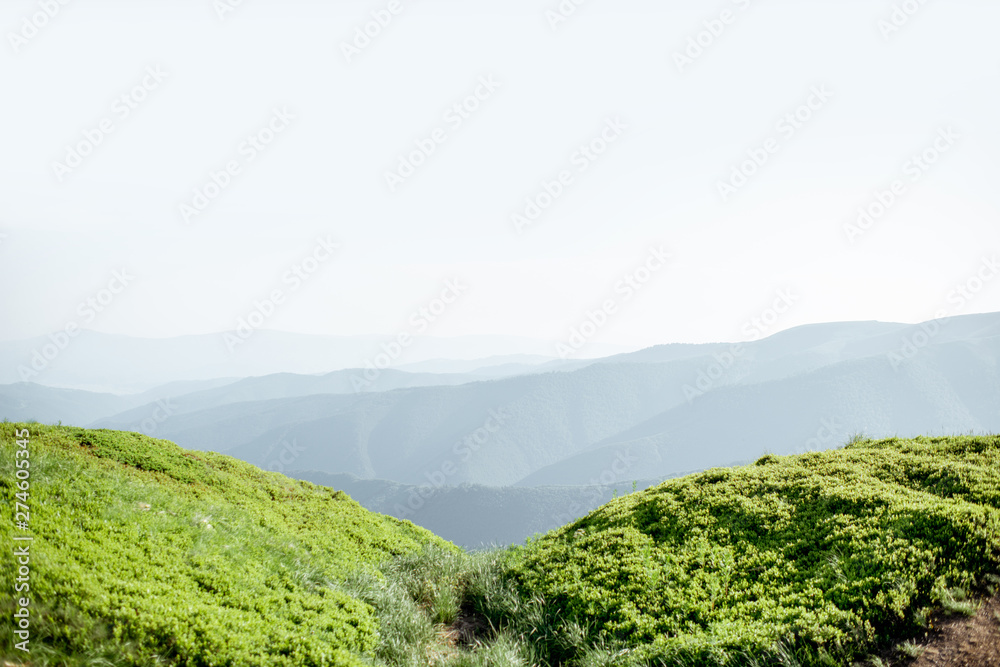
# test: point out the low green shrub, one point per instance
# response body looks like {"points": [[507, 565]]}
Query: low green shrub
{"points": [[159, 555], [145, 554], [825, 554]]}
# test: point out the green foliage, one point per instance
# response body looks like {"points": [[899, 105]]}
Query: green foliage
{"points": [[814, 559], [146, 554], [955, 601], [433, 578], [910, 650], [158, 555], [503, 651]]}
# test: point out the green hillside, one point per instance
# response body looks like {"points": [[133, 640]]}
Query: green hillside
{"points": [[143, 551], [813, 559], [147, 554]]}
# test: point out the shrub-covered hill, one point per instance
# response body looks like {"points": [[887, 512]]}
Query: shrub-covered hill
{"points": [[817, 558], [147, 554], [144, 553]]}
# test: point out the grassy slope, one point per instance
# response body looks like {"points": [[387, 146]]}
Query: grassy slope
{"points": [[802, 560], [142, 549], [821, 557]]}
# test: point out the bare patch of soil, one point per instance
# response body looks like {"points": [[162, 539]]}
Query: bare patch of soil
{"points": [[467, 629], [962, 641]]}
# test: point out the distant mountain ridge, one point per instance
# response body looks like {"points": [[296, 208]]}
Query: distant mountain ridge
{"points": [[600, 423], [666, 409], [475, 516], [111, 363]]}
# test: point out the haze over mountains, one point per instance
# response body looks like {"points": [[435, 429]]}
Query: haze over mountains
{"points": [[553, 433], [473, 515], [110, 363]]}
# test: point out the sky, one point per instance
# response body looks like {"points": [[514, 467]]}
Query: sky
{"points": [[666, 172]]}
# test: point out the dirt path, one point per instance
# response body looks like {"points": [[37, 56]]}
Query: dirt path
{"points": [[963, 641]]}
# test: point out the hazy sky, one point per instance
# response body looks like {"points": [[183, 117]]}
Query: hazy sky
{"points": [[182, 91]]}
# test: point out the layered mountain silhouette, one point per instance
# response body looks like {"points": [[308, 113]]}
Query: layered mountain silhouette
{"points": [[600, 423], [112, 363]]}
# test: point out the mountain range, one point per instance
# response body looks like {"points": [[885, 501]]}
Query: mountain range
{"points": [[486, 428]]}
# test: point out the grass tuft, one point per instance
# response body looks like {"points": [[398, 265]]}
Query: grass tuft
{"points": [[910, 650]]}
